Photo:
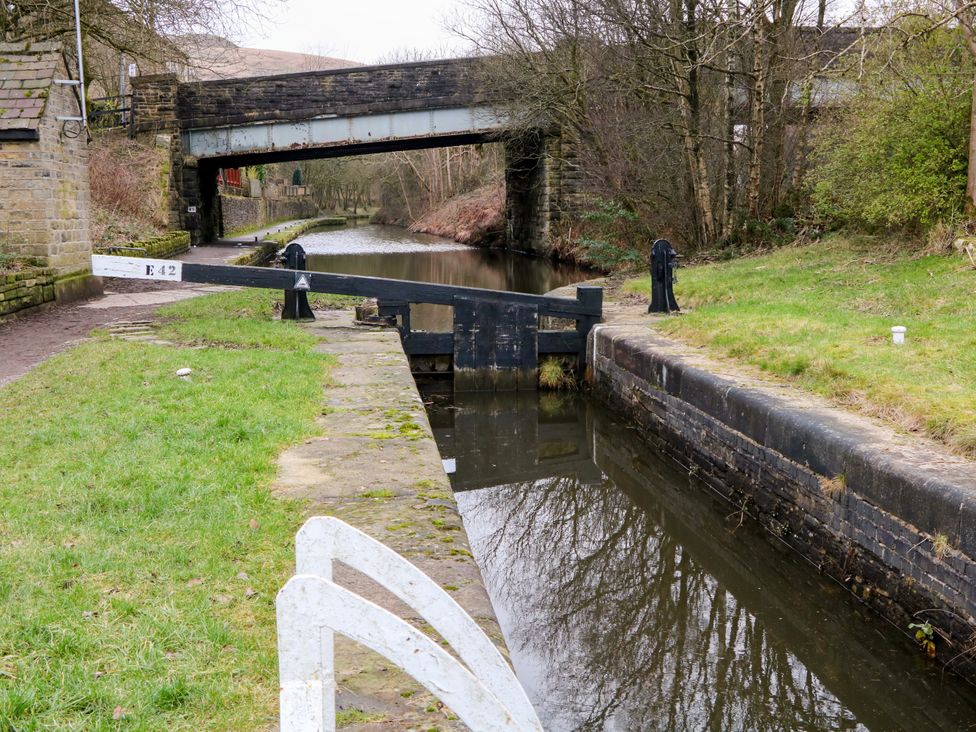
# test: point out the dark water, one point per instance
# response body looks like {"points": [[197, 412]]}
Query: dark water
{"points": [[392, 251], [632, 598]]}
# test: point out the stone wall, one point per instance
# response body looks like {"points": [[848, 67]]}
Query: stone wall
{"points": [[163, 246], [44, 189], [30, 288], [242, 214], [890, 518], [543, 183], [374, 90]]}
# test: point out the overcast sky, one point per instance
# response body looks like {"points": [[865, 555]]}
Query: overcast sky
{"points": [[368, 31]]}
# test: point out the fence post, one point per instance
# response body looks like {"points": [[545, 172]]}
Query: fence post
{"points": [[308, 603], [592, 298]]}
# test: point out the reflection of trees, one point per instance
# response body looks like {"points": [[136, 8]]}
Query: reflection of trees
{"points": [[638, 635]]}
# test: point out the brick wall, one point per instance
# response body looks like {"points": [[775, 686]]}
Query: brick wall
{"points": [[867, 508]]}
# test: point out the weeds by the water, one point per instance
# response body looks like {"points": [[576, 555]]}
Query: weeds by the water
{"points": [[554, 375]]}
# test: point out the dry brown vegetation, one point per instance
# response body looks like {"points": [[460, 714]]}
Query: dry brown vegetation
{"points": [[475, 218], [128, 187]]}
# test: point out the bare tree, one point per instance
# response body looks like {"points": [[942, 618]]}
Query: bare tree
{"points": [[686, 111]]}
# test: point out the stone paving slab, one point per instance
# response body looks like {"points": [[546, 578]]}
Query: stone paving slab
{"points": [[376, 466]]}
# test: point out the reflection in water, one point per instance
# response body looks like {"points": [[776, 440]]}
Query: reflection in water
{"points": [[632, 600], [392, 251]]}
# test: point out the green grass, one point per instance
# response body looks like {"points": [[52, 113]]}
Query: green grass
{"points": [[140, 546], [820, 316], [245, 318]]}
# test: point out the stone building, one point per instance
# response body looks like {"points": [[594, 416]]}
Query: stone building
{"points": [[45, 205]]}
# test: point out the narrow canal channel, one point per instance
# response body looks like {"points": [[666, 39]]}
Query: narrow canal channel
{"points": [[631, 598]]}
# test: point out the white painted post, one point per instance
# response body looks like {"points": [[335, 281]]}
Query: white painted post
{"points": [[305, 672], [898, 334], [307, 604], [323, 539], [308, 661]]}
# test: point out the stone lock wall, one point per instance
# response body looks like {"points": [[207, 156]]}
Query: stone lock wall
{"points": [[887, 517]]}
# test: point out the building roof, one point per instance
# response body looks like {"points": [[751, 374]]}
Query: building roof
{"points": [[26, 73]]}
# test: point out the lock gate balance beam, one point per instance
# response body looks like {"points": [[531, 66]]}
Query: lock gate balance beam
{"points": [[495, 331]]}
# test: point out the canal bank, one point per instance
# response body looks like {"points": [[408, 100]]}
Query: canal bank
{"points": [[891, 517], [375, 466], [709, 619]]}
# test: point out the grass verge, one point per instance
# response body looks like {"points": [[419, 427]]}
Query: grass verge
{"points": [[820, 316], [140, 546]]}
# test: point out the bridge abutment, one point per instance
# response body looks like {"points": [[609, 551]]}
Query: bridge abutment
{"points": [[543, 184], [155, 103]]}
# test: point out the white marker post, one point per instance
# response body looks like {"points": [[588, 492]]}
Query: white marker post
{"points": [[137, 268], [898, 335]]}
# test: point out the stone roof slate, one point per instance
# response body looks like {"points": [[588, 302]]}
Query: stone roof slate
{"points": [[26, 73]]}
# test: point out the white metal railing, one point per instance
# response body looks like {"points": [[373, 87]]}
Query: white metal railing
{"points": [[483, 691]]}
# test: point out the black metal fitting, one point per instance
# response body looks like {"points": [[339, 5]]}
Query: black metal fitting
{"points": [[296, 300], [664, 260]]}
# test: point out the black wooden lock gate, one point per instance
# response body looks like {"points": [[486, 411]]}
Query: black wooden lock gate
{"points": [[496, 340]]}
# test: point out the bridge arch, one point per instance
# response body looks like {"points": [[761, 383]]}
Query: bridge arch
{"points": [[336, 113]]}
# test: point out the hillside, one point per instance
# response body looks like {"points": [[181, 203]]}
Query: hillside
{"points": [[212, 57]]}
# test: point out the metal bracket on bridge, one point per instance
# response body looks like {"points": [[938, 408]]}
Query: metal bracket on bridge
{"points": [[483, 692]]}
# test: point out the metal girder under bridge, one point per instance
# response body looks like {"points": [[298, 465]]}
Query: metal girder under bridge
{"points": [[336, 131]]}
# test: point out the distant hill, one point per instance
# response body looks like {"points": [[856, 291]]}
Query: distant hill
{"points": [[213, 57]]}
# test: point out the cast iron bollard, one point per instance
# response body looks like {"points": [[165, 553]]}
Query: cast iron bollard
{"points": [[296, 300], [664, 260]]}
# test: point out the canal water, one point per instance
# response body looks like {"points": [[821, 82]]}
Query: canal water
{"points": [[630, 596], [392, 251]]}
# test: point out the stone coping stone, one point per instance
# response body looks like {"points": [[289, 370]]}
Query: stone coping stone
{"points": [[911, 477]]}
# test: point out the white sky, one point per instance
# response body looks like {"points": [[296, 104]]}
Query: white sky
{"points": [[369, 31]]}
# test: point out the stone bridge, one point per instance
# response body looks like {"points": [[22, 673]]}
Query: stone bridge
{"points": [[361, 110]]}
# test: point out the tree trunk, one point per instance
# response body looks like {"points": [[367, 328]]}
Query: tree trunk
{"points": [[729, 179], [757, 116]]}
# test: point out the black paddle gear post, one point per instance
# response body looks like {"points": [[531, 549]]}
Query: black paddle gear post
{"points": [[664, 260], [296, 300]]}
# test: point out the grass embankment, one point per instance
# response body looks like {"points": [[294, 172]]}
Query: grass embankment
{"points": [[140, 546], [820, 316]]}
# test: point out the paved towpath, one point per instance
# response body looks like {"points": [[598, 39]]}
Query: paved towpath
{"points": [[28, 339]]}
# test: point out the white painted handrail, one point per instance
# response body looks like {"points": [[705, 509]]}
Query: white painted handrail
{"points": [[309, 603], [306, 665]]}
